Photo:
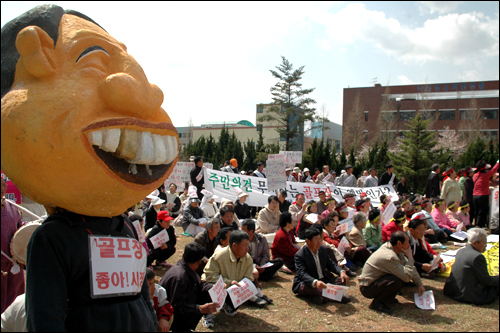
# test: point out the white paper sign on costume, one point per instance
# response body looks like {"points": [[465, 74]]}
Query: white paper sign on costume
{"points": [[334, 292], [342, 245], [426, 301], [138, 229], [118, 266], [240, 295], [494, 201], [159, 238], [218, 293], [223, 184], [292, 157], [388, 213], [313, 218], [276, 177]]}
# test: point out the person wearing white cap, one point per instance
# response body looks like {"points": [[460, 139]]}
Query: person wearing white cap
{"points": [[241, 209], [296, 173], [152, 212], [289, 176], [174, 199], [208, 203], [306, 176], [194, 218]]}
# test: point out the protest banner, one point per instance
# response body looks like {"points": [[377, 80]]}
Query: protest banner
{"points": [[342, 245], [334, 292], [138, 229], [159, 238], [494, 202], [291, 158], [344, 228], [223, 185], [118, 266], [218, 293], [491, 256], [426, 301], [388, 214], [181, 174], [276, 177], [240, 295]]}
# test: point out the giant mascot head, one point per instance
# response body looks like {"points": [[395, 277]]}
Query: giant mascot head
{"points": [[82, 128]]}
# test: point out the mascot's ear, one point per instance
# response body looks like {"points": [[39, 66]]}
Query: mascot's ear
{"points": [[35, 47]]}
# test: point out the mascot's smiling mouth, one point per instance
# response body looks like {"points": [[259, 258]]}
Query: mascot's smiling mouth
{"points": [[137, 151]]}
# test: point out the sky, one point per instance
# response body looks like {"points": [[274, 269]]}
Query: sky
{"points": [[212, 59]]}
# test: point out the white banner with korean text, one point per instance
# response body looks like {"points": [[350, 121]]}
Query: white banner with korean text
{"points": [[180, 174]]}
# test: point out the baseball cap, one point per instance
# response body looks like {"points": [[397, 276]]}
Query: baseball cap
{"points": [[164, 216]]}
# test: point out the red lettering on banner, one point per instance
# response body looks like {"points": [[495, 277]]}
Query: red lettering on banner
{"points": [[135, 278], [124, 245], [102, 279], [117, 280], [138, 247], [143, 274], [106, 247], [308, 192]]}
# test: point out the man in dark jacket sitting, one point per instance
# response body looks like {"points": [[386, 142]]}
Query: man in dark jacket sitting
{"points": [[186, 292], [469, 281], [167, 249], [314, 268]]}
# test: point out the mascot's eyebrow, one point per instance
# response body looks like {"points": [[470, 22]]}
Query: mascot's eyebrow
{"points": [[95, 48]]}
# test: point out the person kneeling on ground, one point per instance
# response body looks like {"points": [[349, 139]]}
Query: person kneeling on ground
{"points": [[166, 250], [469, 281], [259, 251], [386, 270], [233, 263], [194, 218], [315, 268], [433, 234], [164, 310], [284, 245], [187, 293], [359, 253]]}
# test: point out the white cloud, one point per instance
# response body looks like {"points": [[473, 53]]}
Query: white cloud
{"points": [[455, 38], [403, 80], [440, 7], [471, 75]]}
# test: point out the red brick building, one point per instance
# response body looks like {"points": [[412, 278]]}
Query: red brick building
{"points": [[451, 104]]}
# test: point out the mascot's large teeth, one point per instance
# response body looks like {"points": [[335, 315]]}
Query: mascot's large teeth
{"points": [[110, 139], [160, 150], [136, 147], [129, 143], [146, 152]]}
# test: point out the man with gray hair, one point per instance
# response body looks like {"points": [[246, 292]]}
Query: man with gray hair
{"points": [[208, 239], [469, 281]]}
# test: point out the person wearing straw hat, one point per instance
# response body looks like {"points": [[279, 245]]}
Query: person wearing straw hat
{"points": [[241, 208], [152, 212], [12, 284], [289, 176], [296, 174]]}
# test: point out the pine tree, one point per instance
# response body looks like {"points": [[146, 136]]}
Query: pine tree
{"points": [[416, 156], [291, 106], [250, 156], [342, 161]]}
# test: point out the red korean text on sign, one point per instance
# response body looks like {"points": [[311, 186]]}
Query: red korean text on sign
{"points": [[124, 245], [102, 279], [106, 247], [138, 247]]}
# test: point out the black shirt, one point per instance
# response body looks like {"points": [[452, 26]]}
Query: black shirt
{"points": [[284, 206]]}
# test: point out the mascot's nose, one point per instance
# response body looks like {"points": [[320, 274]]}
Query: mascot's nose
{"points": [[131, 95]]}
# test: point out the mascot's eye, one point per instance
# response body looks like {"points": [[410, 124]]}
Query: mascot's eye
{"points": [[90, 50]]}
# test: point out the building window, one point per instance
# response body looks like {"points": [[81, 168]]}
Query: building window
{"points": [[180, 135], [260, 109], [446, 115], [467, 114], [366, 115], [259, 127], [489, 113], [389, 115], [427, 114], [406, 115], [490, 134], [337, 144], [366, 135]]}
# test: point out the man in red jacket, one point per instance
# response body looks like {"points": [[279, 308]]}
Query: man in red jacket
{"points": [[481, 194]]}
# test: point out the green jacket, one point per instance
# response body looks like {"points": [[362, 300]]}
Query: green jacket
{"points": [[373, 235]]}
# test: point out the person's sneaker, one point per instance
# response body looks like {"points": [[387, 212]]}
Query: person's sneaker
{"points": [[317, 300], [286, 270], [267, 299], [381, 307], [208, 320], [229, 310], [257, 301], [351, 273]]}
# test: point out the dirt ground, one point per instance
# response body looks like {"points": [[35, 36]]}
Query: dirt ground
{"points": [[291, 313]]}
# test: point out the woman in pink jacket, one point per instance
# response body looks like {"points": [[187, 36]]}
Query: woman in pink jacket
{"points": [[481, 192], [440, 217]]}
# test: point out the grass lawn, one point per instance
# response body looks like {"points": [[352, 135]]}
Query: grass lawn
{"points": [[291, 313]]}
